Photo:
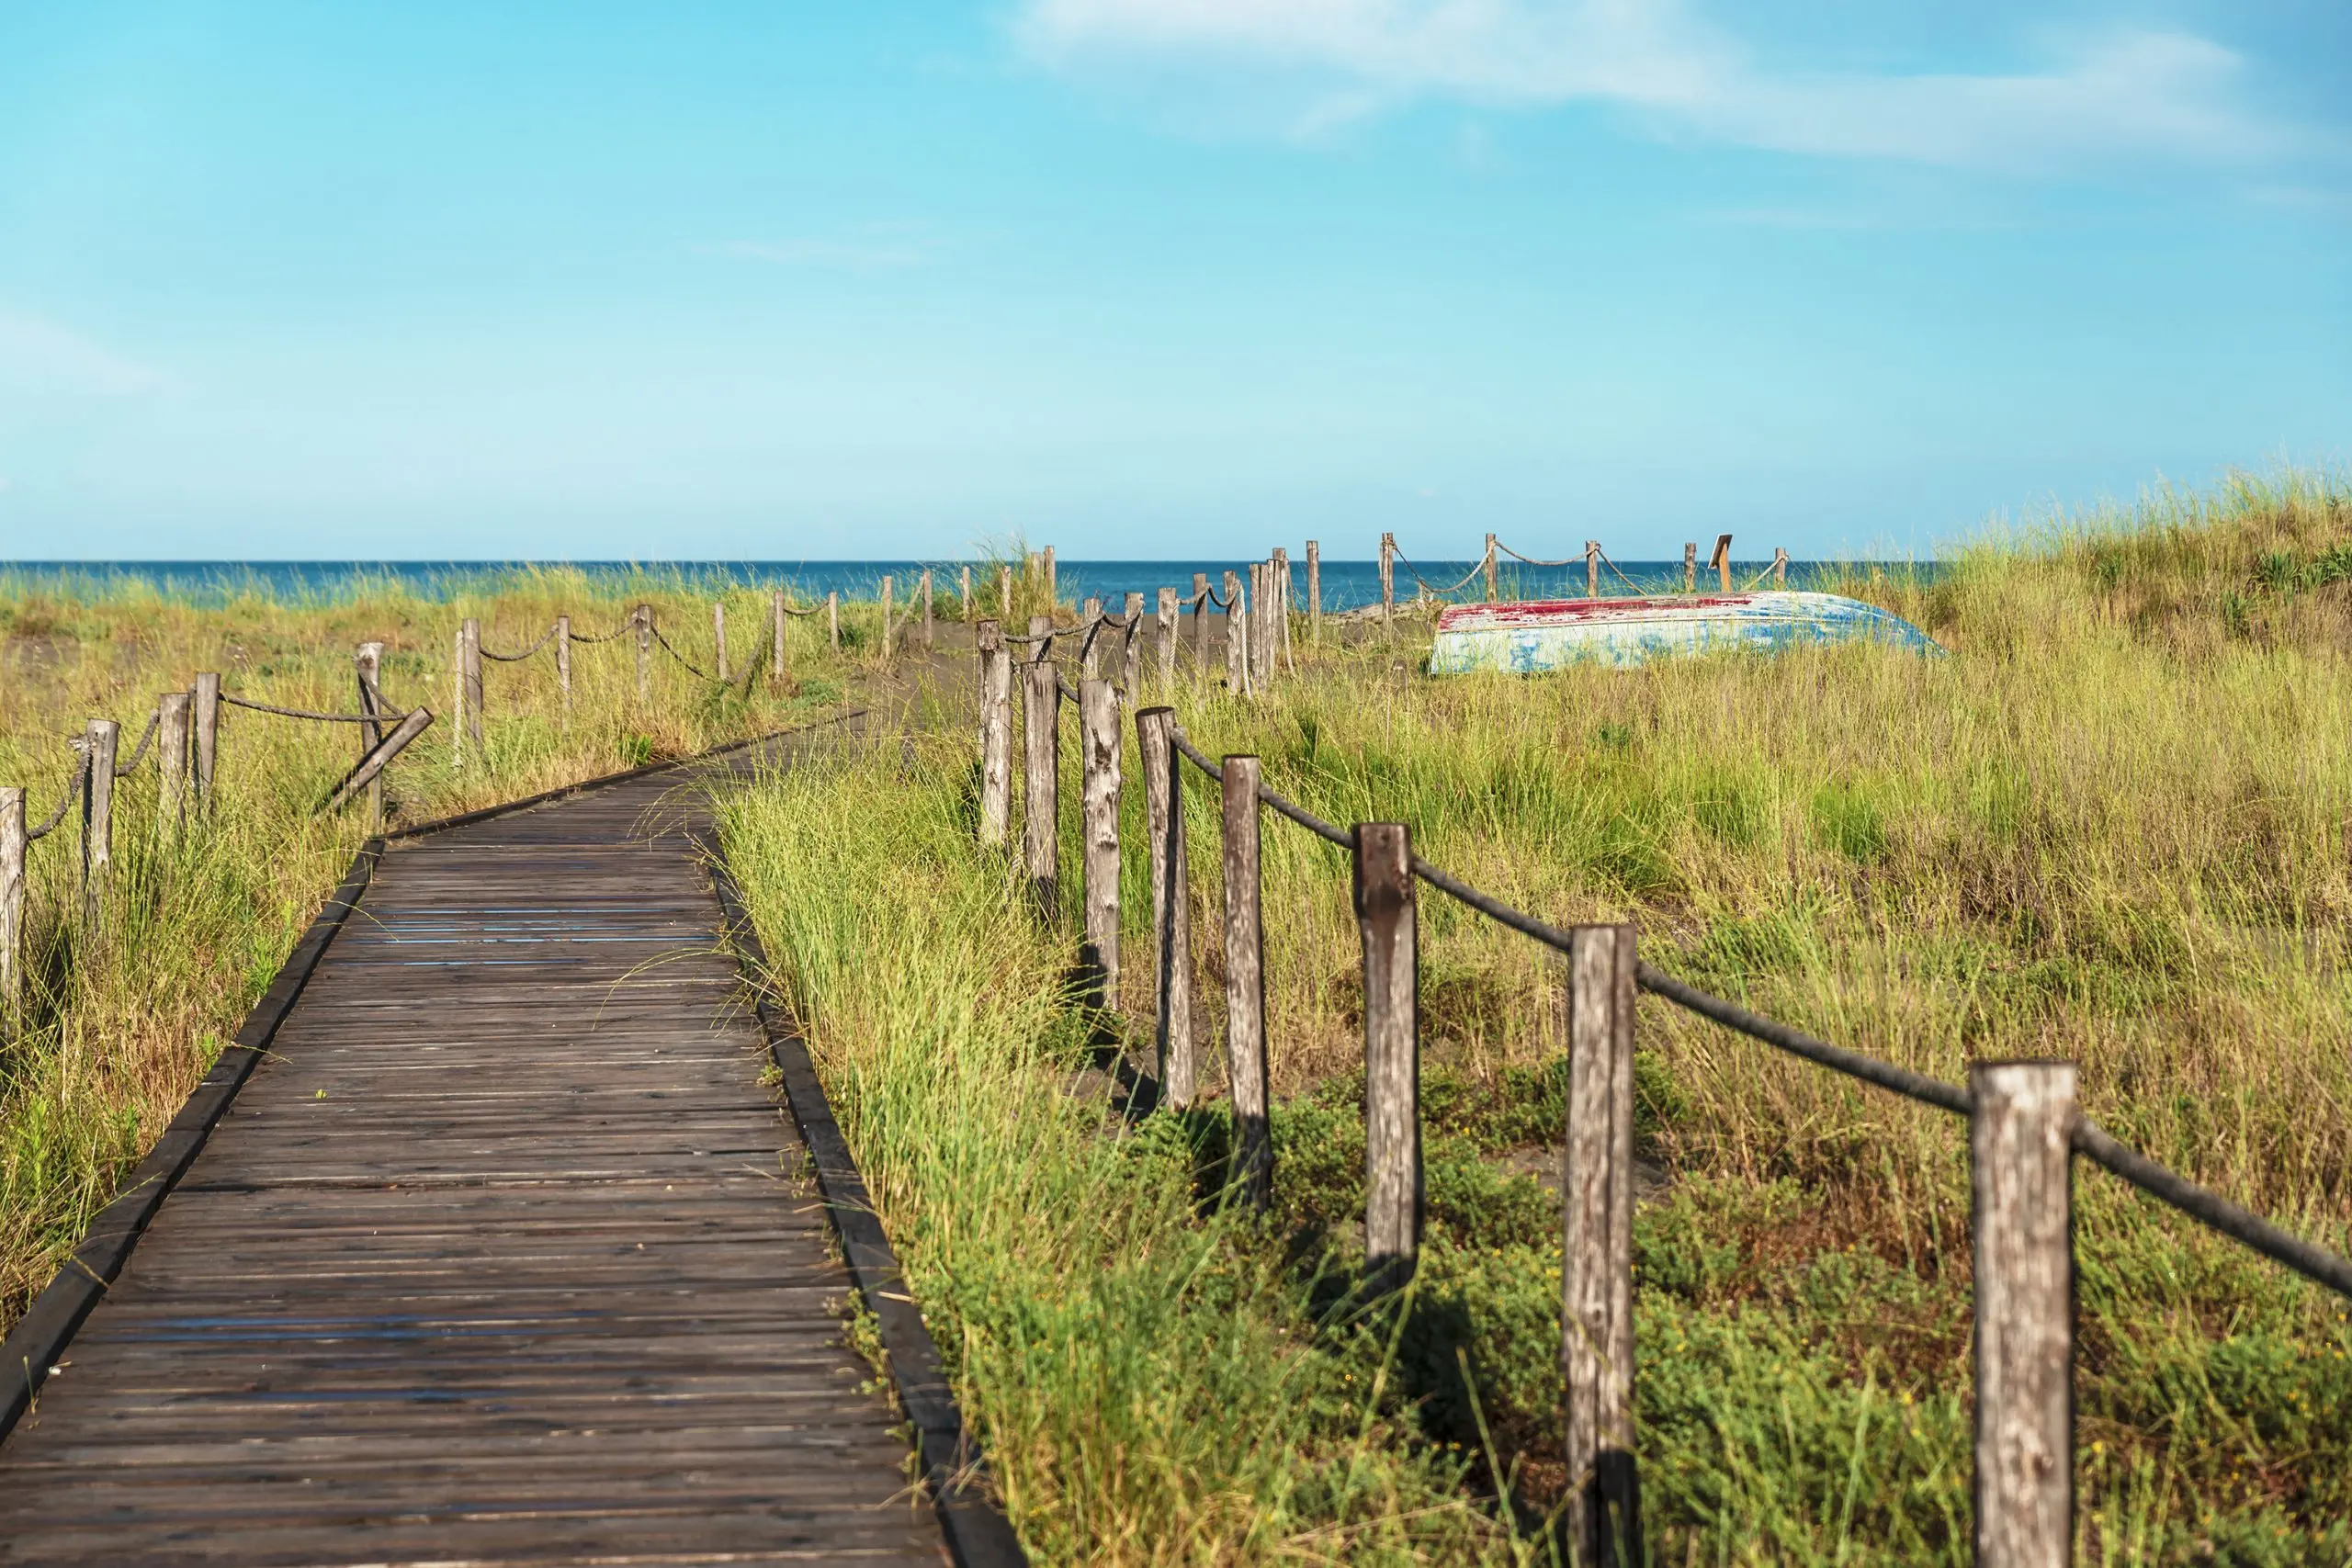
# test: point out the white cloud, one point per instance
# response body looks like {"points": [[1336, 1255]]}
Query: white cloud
{"points": [[41, 357], [2127, 93]]}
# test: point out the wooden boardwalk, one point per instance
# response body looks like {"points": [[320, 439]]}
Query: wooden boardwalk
{"points": [[501, 1257]]}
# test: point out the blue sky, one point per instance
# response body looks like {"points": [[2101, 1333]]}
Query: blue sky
{"points": [[1151, 278]]}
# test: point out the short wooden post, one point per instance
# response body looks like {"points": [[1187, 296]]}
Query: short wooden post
{"points": [[1592, 569], [1199, 622], [1721, 561], [207, 738], [172, 734], [1314, 592], [996, 734], [1690, 567], [367, 663], [1597, 1277], [1392, 1051], [1779, 567], [1053, 591], [886, 616], [1098, 725], [1089, 640], [718, 635], [1388, 581], [775, 651], [12, 908], [1004, 588], [563, 661], [1245, 986], [1167, 632], [1163, 792], [98, 820], [1131, 647], [1041, 698], [971, 612], [833, 621], [473, 684], [2022, 1184], [1487, 561], [643, 615], [927, 625], [1236, 633]]}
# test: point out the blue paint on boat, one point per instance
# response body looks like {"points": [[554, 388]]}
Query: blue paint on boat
{"points": [[1530, 639]]}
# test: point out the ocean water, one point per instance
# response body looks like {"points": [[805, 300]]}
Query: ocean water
{"points": [[1347, 584]]}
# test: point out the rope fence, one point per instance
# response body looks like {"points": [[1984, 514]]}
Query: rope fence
{"points": [[2022, 1115]]}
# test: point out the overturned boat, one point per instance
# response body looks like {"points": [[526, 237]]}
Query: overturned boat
{"points": [[1529, 639]]}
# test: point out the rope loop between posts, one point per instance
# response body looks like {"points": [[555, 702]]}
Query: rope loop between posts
{"points": [[2202, 1204], [691, 667], [1530, 560], [518, 658], [608, 636], [1432, 589], [1639, 592], [139, 752], [382, 716], [65, 802]]}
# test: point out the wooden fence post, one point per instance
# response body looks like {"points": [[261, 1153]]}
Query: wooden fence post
{"points": [[1779, 567], [1166, 631], [367, 663], [1592, 569], [1245, 986], [1388, 582], [776, 650], [1131, 648], [1604, 1518], [1089, 640], [98, 820], [1041, 638], [2022, 1184], [1690, 567], [718, 635], [1236, 633], [563, 660], [926, 608], [207, 738], [1053, 590], [643, 615], [1279, 594], [1392, 1051], [1041, 699], [1487, 561], [1314, 592], [1004, 588], [1098, 724], [1265, 637], [1199, 622], [1721, 559], [833, 621], [964, 593], [474, 686], [458, 698], [12, 907], [1163, 792], [996, 734], [885, 618], [171, 763]]}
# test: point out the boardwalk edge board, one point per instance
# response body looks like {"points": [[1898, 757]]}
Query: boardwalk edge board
{"points": [[39, 1341], [978, 1534], [564, 792]]}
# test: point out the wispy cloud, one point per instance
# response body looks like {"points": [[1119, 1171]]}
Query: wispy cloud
{"points": [[42, 356], [873, 247], [2126, 94]]}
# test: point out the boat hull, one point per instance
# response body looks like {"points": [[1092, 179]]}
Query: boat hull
{"points": [[1529, 639]]}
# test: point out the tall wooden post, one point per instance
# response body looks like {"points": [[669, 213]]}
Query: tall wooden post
{"points": [[207, 738], [776, 650], [718, 636], [1131, 648], [1392, 1051], [927, 638], [1690, 567], [172, 713], [1041, 638], [1487, 561], [1171, 904], [885, 618], [1167, 630], [97, 821], [1199, 622], [996, 734], [1597, 1277], [367, 663], [643, 615], [1265, 640], [2022, 1184], [1388, 581], [1592, 569], [1279, 594], [473, 683], [1041, 798], [458, 697], [1237, 635], [1089, 640], [1779, 567], [964, 593], [1721, 561], [1053, 591], [1245, 985], [563, 661], [833, 621], [12, 908], [1098, 724], [1004, 588], [1314, 592]]}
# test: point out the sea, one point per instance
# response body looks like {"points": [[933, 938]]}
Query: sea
{"points": [[1347, 584]]}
